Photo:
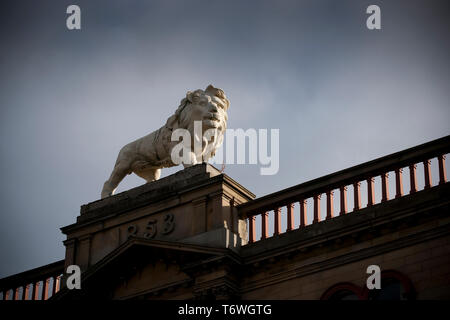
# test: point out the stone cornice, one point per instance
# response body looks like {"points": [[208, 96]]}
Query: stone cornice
{"points": [[149, 194]]}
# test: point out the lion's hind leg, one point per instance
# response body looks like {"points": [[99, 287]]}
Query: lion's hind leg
{"points": [[149, 174], [121, 169]]}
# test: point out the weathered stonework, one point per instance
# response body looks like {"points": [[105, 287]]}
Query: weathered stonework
{"points": [[204, 258], [196, 205], [192, 235]]}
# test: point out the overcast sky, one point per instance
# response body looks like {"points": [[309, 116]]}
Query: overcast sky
{"points": [[340, 94]]}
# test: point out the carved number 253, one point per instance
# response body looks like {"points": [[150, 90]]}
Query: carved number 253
{"points": [[151, 227]]}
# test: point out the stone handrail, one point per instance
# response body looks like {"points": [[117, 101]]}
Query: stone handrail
{"points": [[36, 284], [340, 181]]}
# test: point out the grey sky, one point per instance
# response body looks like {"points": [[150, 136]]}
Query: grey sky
{"points": [[339, 93]]}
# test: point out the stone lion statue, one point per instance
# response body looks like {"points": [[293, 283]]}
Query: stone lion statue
{"points": [[147, 155]]}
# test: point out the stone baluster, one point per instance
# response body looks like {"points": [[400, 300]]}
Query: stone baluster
{"points": [[277, 221], [17, 294], [27, 292], [412, 178], [302, 213], [290, 217], [427, 173], [343, 204], [57, 284], [357, 195], [370, 192], [442, 173], [398, 183], [264, 225], [330, 204], [384, 187], [317, 208], [36, 290], [251, 229], [45, 287]]}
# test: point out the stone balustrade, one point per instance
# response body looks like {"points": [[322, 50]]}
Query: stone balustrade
{"points": [[268, 210], [205, 203], [36, 284]]}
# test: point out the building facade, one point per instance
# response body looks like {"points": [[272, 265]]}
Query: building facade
{"points": [[199, 234]]}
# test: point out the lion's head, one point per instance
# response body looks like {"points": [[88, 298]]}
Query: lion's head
{"points": [[208, 106]]}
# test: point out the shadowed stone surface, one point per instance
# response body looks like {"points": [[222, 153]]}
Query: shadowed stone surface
{"points": [[154, 191]]}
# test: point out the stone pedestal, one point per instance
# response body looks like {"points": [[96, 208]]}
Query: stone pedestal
{"points": [[193, 206]]}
